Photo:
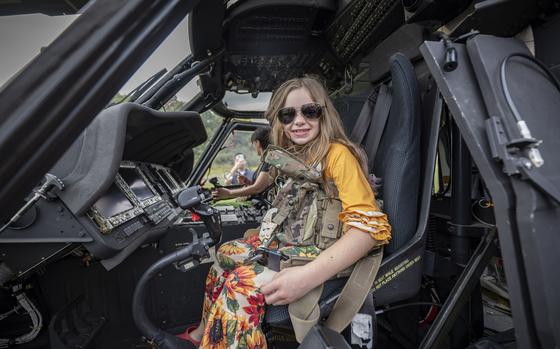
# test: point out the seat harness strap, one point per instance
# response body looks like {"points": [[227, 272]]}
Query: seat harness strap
{"points": [[305, 312], [378, 122], [364, 119], [355, 291], [360, 281]]}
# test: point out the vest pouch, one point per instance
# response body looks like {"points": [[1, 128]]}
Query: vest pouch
{"points": [[298, 226], [330, 227], [310, 223]]}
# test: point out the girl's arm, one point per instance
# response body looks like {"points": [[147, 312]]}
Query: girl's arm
{"points": [[261, 183], [369, 230], [293, 283]]}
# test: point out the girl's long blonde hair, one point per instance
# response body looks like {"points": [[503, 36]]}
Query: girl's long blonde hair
{"points": [[330, 125]]}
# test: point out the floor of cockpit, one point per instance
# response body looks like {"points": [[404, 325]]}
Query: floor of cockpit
{"points": [[174, 298]]}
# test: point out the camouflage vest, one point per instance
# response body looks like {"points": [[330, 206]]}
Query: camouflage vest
{"points": [[302, 213]]}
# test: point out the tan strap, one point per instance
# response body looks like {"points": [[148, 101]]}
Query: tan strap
{"points": [[355, 291], [305, 312]]}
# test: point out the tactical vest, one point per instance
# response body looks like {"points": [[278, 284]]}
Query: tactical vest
{"points": [[302, 213]]}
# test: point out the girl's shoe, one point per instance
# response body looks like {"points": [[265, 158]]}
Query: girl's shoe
{"points": [[187, 335]]}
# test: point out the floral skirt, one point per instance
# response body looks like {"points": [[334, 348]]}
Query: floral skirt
{"points": [[234, 306]]}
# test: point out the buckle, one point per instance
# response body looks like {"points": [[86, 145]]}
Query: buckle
{"points": [[266, 257]]}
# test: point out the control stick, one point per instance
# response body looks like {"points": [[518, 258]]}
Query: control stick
{"points": [[196, 199]]}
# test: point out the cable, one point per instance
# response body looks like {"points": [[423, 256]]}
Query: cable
{"points": [[10, 312], [466, 36], [33, 219], [504, 83], [480, 220], [414, 304], [533, 153], [36, 320]]}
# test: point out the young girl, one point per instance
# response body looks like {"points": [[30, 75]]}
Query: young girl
{"points": [[304, 123]]}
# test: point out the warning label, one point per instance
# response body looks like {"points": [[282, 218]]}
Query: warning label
{"points": [[394, 272]]}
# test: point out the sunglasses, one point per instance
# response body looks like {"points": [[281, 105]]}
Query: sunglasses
{"points": [[311, 111]]}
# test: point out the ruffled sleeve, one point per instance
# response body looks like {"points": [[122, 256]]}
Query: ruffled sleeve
{"points": [[359, 208]]}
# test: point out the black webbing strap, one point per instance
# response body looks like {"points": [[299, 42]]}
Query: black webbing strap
{"points": [[364, 119], [378, 122]]}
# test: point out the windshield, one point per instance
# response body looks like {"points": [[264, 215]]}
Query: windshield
{"points": [[22, 38]]}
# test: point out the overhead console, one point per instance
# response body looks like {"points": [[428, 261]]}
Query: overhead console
{"points": [[361, 25], [291, 34], [119, 184], [271, 41]]}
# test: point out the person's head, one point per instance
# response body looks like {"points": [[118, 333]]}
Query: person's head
{"points": [[240, 160], [305, 121], [260, 139]]}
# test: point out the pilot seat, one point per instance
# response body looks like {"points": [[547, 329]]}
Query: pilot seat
{"points": [[403, 157]]}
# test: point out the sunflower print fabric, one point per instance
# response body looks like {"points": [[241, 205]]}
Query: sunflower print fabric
{"points": [[233, 304]]}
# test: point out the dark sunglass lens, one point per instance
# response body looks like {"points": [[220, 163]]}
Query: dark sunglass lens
{"points": [[311, 111], [286, 115]]}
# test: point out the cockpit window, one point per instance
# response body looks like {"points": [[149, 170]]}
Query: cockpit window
{"points": [[246, 102], [186, 94], [237, 148], [24, 36], [171, 51], [211, 122]]}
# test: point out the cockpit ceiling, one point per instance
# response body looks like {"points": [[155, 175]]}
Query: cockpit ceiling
{"points": [[272, 42]]}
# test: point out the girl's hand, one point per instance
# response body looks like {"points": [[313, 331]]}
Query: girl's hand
{"points": [[221, 193], [288, 286]]}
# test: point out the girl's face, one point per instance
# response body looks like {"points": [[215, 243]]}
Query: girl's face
{"points": [[301, 130]]}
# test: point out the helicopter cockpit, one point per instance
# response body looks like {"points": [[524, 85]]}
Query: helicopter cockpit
{"points": [[108, 227]]}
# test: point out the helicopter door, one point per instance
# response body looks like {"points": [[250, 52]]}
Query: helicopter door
{"points": [[505, 104]]}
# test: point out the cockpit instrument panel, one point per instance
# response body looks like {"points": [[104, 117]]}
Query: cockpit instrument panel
{"points": [[139, 184], [172, 184], [133, 194], [113, 209]]}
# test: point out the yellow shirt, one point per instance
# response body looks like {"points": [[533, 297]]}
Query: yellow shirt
{"points": [[359, 208]]}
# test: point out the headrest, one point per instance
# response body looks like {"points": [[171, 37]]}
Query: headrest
{"points": [[405, 40]]}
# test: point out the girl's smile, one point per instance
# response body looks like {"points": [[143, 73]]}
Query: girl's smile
{"points": [[302, 130]]}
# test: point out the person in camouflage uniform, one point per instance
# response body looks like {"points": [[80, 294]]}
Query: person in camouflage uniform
{"points": [[323, 220]]}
